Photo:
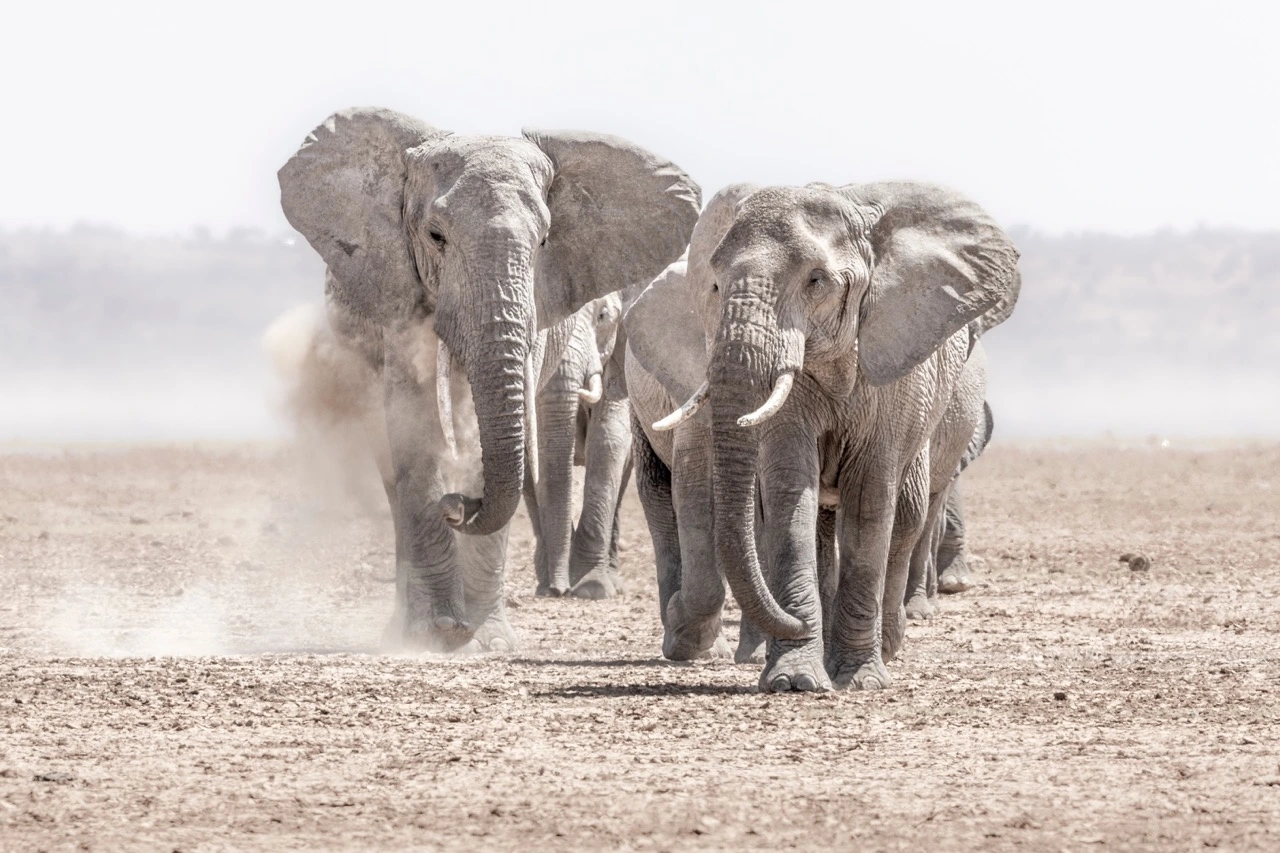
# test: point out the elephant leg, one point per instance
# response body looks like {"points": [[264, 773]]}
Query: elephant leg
{"points": [[910, 515], [751, 640], [916, 598], [594, 539], [694, 611], [539, 551], [867, 507], [828, 570], [953, 567], [483, 560], [937, 527], [615, 531], [557, 414], [788, 484], [653, 486], [430, 603]]}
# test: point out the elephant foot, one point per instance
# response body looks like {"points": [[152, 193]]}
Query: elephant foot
{"points": [[495, 635], [545, 590], [719, 650], [795, 665], [920, 607], [440, 633], [694, 641], [596, 584], [955, 579], [860, 672]]}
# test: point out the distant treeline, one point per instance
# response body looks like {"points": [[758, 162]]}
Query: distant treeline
{"points": [[91, 298]]}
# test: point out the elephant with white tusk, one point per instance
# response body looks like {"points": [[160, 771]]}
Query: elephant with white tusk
{"points": [[836, 329], [452, 262]]}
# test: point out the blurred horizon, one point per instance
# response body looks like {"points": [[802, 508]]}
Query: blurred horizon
{"points": [[1129, 148]]}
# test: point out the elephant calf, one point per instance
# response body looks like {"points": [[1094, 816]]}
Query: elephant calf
{"points": [[837, 325], [583, 418]]}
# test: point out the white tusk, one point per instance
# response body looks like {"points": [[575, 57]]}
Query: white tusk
{"points": [[688, 410], [531, 419], [593, 392], [781, 389], [444, 394]]}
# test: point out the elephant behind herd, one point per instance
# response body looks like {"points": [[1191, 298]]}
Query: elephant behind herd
{"points": [[796, 375]]}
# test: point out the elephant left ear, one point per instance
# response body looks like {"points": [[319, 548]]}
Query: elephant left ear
{"points": [[619, 215], [940, 263]]}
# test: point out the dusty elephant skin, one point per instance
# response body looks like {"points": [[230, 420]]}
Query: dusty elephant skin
{"points": [[845, 378], [446, 255], [275, 732]]}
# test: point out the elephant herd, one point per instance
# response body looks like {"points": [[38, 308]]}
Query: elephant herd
{"points": [[794, 376]]}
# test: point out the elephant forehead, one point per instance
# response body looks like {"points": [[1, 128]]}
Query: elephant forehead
{"points": [[782, 229], [492, 160]]}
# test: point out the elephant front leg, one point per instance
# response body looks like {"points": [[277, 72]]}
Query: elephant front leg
{"points": [[430, 606], [483, 560], [608, 459], [789, 497], [867, 512], [693, 623], [557, 426], [911, 512]]}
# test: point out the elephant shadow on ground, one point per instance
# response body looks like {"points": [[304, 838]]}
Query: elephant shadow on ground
{"points": [[666, 688]]}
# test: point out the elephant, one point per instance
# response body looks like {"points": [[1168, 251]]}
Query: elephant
{"points": [[453, 263], [572, 410], [838, 325], [944, 525]]}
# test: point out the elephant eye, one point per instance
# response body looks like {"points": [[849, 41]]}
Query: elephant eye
{"points": [[715, 287], [437, 238], [817, 278]]}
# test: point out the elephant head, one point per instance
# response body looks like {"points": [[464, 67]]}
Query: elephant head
{"points": [[860, 283], [489, 239]]}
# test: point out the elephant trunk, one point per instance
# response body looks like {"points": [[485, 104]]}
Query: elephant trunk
{"points": [[500, 393], [741, 372]]}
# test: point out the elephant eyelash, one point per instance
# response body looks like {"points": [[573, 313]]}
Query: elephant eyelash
{"points": [[437, 238]]}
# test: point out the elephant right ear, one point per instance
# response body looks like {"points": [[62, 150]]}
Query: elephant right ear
{"points": [[343, 190], [665, 335], [941, 262], [712, 225]]}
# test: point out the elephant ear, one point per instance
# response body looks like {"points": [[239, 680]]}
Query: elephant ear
{"points": [[343, 190], [619, 216], [940, 262], [665, 335], [713, 224]]}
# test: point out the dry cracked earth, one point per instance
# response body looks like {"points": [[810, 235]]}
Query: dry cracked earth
{"points": [[187, 662]]}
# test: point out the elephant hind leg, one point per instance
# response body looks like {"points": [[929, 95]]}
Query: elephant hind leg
{"points": [[953, 568]]}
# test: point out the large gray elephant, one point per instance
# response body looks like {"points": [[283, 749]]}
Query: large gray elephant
{"points": [[447, 255], [839, 327], [574, 408]]}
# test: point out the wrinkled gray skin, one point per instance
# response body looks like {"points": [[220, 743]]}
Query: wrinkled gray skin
{"points": [[938, 562], [475, 242], [862, 296], [572, 431], [673, 474]]}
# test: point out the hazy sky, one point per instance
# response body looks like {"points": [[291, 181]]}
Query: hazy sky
{"points": [[1109, 116]]}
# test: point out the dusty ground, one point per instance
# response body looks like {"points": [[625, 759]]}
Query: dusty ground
{"points": [[185, 662]]}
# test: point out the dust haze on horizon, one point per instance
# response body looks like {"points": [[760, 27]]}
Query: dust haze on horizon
{"points": [[1150, 121]]}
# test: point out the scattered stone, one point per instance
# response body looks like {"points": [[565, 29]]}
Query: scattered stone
{"points": [[226, 541], [1137, 562], [251, 566], [1060, 696], [44, 534], [137, 519], [56, 776]]}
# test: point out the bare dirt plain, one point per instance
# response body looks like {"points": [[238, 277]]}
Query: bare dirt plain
{"points": [[186, 641]]}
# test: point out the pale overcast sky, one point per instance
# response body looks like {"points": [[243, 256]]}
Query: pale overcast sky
{"points": [[1111, 116]]}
